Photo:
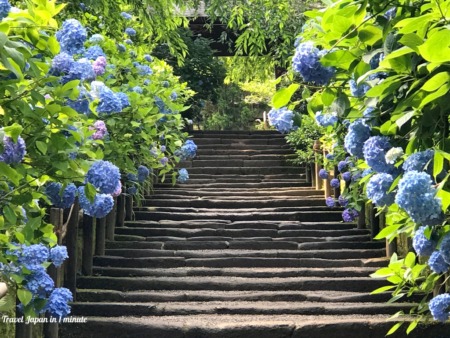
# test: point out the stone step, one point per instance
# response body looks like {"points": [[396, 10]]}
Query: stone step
{"points": [[237, 262], [247, 170], [238, 253], [302, 216], [118, 309], [248, 326], [240, 141], [218, 179], [237, 135], [241, 185], [237, 204], [250, 232], [227, 283], [211, 157], [229, 151], [234, 272], [249, 144], [222, 224], [237, 211], [233, 193], [93, 295], [249, 177], [228, 162]]}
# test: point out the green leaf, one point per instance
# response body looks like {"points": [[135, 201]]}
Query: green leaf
{"points": [[410, 260], [10, 215], [436, 81], [411, 40], [445, 198], [53, 45], [412, 326], [405, 118], [90, 192], [394, 328], [436, 47], [13, 131], [10, 173], [24, 296], [434, 96], [340, 58], [382, 289], [438, 165], [42, 147], [328, 96], [370, 35], [388, 231], [283, 96]]}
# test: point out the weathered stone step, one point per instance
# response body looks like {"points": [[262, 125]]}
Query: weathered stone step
{"points": [[237, 211], [240, 141], [221, 224], [227, 262], [237, 134], [257, 145], [243, 185], [302, 216], [234, 272], [228, 162], [218, 179], [241, 156], [246, 170], [342, 245], [238, 253], [248, 326], [262, 151], [361, 284], [227, 203], [116, 309], [304, 192], [271, 233], [184, 194], [255, 177], [93, 295]]}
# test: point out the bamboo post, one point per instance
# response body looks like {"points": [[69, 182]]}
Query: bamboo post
{"points": [[51, 327], [100, 235], [111, 222], [121, 210], [88, 245], [317, 150], [70, 280]]}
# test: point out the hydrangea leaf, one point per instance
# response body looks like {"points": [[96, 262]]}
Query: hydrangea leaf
{"points": [[283, 96], [24, 296]]}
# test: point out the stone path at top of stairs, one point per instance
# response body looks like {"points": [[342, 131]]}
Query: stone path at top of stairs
{"points": [[244, 249]]}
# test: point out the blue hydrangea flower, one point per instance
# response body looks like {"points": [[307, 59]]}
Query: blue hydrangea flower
{"points": [[347, 176], [128, 42], [349, 215], [165, 84], [109, 101], [80, 70], [164, 160], [282, 119], [126, 16], [375, 60], [329, 157], [439, 307], [121, 48], [421, 244], [183, 175], [148, 58], [132, 190], [143, 173], [326, 120], [330, 202], [188, 150], [374, 151], [437, 263], [81, 105], [132, 177], [102, 205], [343, 202], [103, 175], [378, 187], [33, 255], [163, 149], [342, 165], [445, 248], [58, 301], [130, 31], [358, 90], [390, 13], [39, 283], [306, 61], [358, 133], [173, 96], [420, 161], [53, 191], [144, 70], [62, 63], [96, 38], [137, 89], [124, 100], [417, 197], [58, 254], [323, 174], [147, 82], [335, 183], [13, 152], [93, 52], [5, 7], [72, 37]]}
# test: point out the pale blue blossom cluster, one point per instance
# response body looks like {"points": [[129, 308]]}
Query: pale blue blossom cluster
{"points": [[327, 119], [93, 52], [109, 101], [5, 7], [62, 63], [58, 254], [358, 90], [130, 31], [100, 207], [143, 173], [104, 176], [417, 197], [358, 133], [378, 189], [72, 37], [61, 200], [58, 302], [282, 119], [188, 150], [183, 175], [440, 307], [437, 263], [306, 62], [419, 161], [374, 151], [421, 244]]}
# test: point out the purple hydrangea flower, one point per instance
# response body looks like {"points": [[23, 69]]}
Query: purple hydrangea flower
{"points": [[378, 187], [323, 174], [64, 201], [118, 190], [437, 263], [164, 160], [99, 65], [148, 58], [163, 149], [143, 173], [358, 133], [347, 176], [439, 307], [417, 197], [349, 215], [103, 175], [335, 183], [58, 254], [13, 152], [282, 119], [72, 37], [306, 61], [102, 205], [343, 202], [183, 175], [330, 202], [62, 63], [342, 165], [58, 302], [374, 150], [130, 31], [100, 130]]}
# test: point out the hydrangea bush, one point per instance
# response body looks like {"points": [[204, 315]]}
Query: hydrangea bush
{"points": [[379, 67]]}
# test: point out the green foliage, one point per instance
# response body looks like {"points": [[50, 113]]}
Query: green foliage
{"points": [[303, 139]]}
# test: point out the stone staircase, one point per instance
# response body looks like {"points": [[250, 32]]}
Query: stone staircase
{"points": [[244, 249]]}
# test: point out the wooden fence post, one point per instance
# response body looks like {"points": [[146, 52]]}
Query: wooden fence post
{"points": [[362, 217], [111, 222], [22, 330], [317, 150], [129, 208], [70, 280], [100, 236], [121, 210], [88, 245]]}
